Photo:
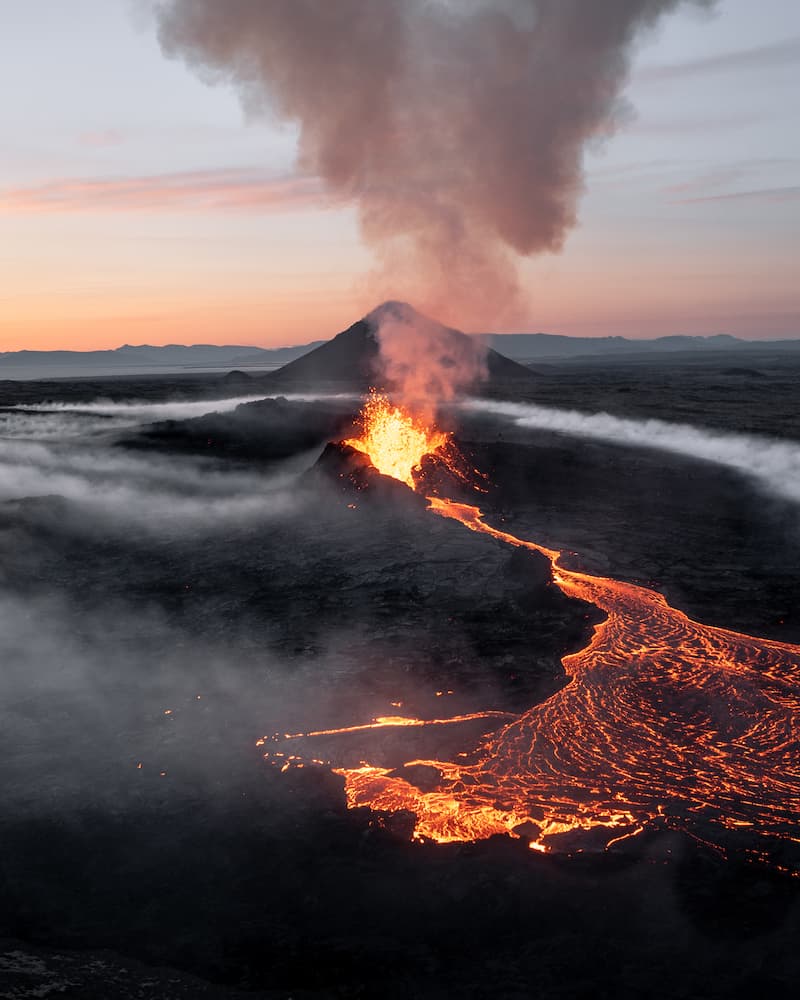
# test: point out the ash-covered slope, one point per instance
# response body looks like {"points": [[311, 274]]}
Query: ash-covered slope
{"points": [[351, 362], [266, 430]]}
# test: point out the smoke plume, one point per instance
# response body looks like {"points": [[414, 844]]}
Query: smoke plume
{"points": [[458, 128], [422, 362]]}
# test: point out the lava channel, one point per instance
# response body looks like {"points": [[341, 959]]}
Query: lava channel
{"points": [[664, 719]]}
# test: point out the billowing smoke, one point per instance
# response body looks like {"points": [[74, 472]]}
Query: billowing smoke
{"points": [[457, 126], [422, 362]]}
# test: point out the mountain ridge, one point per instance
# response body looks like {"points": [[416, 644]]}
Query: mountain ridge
{"points": [[144, 354], [518, 347], [545, 346], [351, 359]]}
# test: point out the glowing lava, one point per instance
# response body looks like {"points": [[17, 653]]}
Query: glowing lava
{"points": [[395, 441], [664, 719]]}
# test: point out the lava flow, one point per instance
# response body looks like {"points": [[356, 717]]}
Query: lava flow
{"points": [[395, 441], [662, 717]]}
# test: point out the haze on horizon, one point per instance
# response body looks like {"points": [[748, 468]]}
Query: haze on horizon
{"points": [[139, 205]]}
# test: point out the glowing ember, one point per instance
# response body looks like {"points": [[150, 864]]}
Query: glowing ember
{"points": [[395, 441]]}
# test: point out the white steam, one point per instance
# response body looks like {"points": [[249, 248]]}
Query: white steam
{"points": [[774, 463], [54, 450], [55, 421]]}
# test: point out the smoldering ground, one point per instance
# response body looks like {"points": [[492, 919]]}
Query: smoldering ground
{"points": [[174, 644]]}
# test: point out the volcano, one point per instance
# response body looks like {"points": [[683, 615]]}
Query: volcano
{"points": [[351, 361], [547, 775]]}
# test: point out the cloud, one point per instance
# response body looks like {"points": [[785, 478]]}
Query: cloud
{"points": [[761, 57], [774, 463], [689, 124], [232, 189], [774, 195], [750, 176]]}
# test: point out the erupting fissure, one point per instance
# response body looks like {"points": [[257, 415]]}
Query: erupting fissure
{"points": [[663, 719], [395, 441]]}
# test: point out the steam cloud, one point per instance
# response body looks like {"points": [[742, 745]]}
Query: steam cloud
{"points": [[62, 449], [422, 362], [457, 126], [102, 668], [56, 421], [774, 463]]}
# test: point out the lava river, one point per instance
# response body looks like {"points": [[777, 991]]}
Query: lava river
{"points": [[663, 720], [662, 717]]}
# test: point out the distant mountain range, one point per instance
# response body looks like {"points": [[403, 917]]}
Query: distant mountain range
{"points": [[172, 355], [555, 347], [521, 347]]}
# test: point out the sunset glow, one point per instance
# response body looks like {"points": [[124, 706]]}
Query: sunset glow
{"points": [[134, 219]]}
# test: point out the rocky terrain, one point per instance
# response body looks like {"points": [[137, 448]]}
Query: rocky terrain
{"points": [[186, 587]]}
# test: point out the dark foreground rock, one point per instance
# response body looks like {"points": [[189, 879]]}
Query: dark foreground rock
{"points": [[124, 389], [295, 899], [716, 544], [266, 430], [28, 972], [358, 577], [142, 828]]}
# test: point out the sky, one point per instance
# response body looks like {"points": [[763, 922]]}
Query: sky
{"points": [[139, 204]]}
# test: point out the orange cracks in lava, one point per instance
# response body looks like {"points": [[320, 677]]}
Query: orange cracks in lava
{"points": [[395, 441], [385, 721], [663, 717], [441, 816]]}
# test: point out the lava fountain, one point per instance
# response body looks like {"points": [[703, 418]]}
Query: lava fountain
{"points": [[395, 441], [664, 720]]}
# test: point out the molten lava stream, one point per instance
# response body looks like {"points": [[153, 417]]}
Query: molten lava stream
{"points": [[662, 716]]}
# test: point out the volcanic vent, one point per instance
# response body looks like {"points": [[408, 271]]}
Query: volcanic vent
{"points": [[665, 722]]}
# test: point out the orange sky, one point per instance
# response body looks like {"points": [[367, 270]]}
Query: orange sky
{"points": [[138, 205], [97, 280]]}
